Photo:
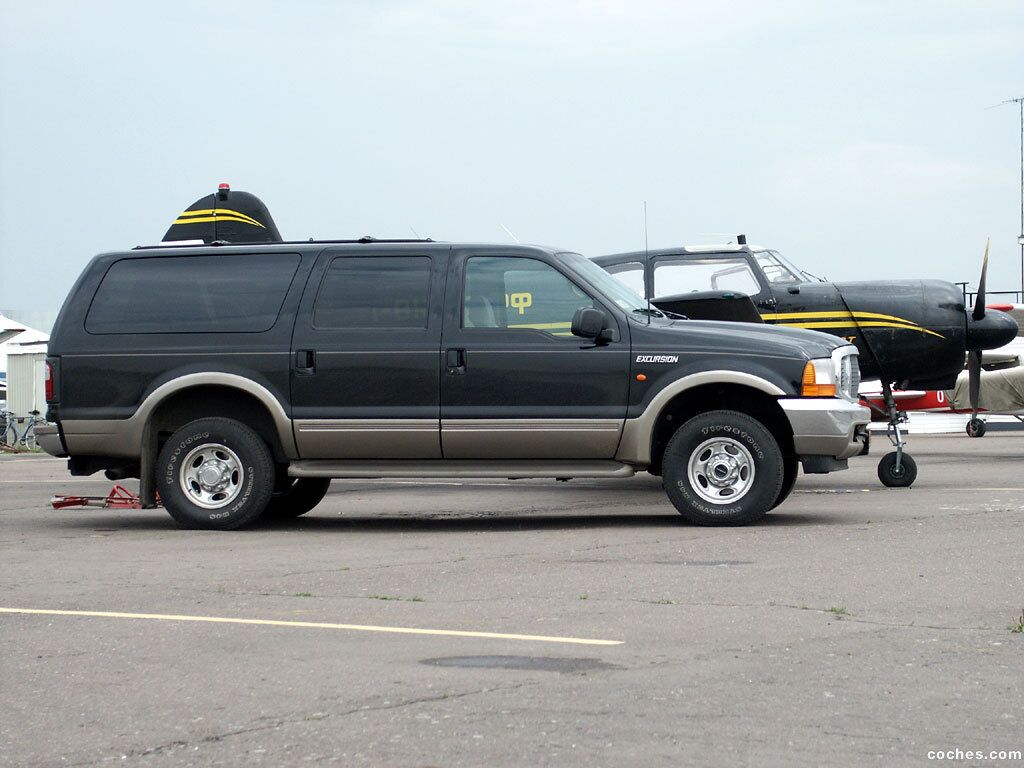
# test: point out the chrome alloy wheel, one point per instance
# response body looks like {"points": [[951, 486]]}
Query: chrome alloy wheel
{"points": [[211, 476], [721, 470]]}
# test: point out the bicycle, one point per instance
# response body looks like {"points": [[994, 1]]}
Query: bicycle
{"points": [[27, 438]]}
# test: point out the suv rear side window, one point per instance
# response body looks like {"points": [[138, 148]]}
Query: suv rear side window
{"points": [[240, 293], [374, 292]]}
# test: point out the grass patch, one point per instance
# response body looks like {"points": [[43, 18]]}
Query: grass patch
{"points": [[584, 597], [413, 599], [303, 594], [838, 610], [1018, 628]]}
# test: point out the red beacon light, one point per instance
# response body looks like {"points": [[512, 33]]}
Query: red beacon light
{"points": [[223, 189]]}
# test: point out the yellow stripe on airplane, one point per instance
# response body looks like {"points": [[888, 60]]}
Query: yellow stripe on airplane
{"points": [[865, 324], [844, 314], [204, 219], [219, 213]]}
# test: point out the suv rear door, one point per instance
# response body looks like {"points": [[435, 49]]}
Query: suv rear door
{"points": [[366, 354], [517, 384]]}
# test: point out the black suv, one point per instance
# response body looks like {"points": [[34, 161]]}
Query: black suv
{"points": [[236, 381]]}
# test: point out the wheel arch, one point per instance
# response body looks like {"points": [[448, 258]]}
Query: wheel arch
{"points": [[198, 395], [644, 438]]}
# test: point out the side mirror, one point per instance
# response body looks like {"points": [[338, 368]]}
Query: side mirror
{"points": [[588, 323]]}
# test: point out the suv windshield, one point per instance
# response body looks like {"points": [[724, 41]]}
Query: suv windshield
{"points": [[623, 297]]}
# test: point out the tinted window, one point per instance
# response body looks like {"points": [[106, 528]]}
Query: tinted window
{"points": [[686, 275], [519, 293], [192, 294], [374, 292]]}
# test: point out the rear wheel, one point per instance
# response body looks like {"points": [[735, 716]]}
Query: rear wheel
{"points": [[723, 468], [295, 496], [215, 473], [976, 427]]}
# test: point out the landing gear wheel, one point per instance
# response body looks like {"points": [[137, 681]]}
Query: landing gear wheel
{"points": [[892, 477], [976, 427], [295, 496], [791, 468], [215, 473], [723, 468]]}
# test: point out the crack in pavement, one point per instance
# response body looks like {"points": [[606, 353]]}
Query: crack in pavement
{"points": [[316, 717]]}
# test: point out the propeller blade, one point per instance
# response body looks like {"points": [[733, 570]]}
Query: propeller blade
{"points": [[974, 378], [979, 300]]}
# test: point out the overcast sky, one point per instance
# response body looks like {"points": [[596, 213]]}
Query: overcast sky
{"points": [[854, 137]]}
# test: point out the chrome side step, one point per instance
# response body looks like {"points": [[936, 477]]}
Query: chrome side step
{"points": [[513, 470]]}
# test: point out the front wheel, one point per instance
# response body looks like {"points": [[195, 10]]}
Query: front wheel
{"points": [[892, 477], [215, 473], [790, 470], [723, 468]]}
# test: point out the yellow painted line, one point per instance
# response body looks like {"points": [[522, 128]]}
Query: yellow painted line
{"points": [[313, 625]]}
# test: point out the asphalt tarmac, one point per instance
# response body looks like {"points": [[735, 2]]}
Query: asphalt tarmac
{"points": [[581, 623]]}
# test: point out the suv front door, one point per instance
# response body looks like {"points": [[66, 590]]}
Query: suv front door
{"points": [[516, 383], [366, 354]]}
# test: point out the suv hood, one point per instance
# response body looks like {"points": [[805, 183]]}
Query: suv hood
{"points": [[737, 338]]}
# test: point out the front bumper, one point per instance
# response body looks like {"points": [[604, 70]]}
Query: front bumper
{"points": [[827, 426], [48, 438]]}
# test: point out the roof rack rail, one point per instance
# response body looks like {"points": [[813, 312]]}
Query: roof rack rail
{"points": [[366, 239]]}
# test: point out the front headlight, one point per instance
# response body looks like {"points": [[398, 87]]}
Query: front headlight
{"points": [[819, 379], [835, 376]]}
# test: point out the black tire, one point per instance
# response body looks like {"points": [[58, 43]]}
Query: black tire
{"points": [[217, 443], [763, 458], [790, 471], [890, 478], [976, 428], [295, 496]]}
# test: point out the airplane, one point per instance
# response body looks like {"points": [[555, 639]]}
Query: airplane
{"points": [[1000, 386], [910, 334]]}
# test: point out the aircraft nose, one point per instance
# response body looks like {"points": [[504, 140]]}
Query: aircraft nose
{"points": [[995, 329]]}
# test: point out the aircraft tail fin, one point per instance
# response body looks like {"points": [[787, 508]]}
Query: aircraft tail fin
{"points": [[226, 216]]}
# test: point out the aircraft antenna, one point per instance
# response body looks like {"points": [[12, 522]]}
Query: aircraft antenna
{"points": [[1020, 238], [415, 233], [647, 267]]}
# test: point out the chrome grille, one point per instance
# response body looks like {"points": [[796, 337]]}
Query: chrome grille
{"points": [[849, 376]]}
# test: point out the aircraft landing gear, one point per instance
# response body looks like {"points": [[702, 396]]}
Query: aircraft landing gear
{"points": [[976, 427], [896, 469]]}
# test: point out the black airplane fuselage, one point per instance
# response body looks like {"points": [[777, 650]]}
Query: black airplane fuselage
{"points": [[911, 332]]}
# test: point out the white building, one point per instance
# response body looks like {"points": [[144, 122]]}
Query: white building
{"points": [[23, 357]]}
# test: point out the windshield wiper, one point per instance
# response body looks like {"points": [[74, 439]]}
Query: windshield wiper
{"points": [[652, 312]]}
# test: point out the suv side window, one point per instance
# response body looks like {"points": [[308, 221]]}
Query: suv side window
{"points": [[236, 293], [674, 276], [374, 292], [519, 294]]}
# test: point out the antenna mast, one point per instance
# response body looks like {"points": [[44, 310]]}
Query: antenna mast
{"points": [[1020, 237], [647, 267]]}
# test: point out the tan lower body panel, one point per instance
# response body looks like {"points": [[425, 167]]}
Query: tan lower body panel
{"points": [[530, 438], [368, 438], [466, 468]]}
